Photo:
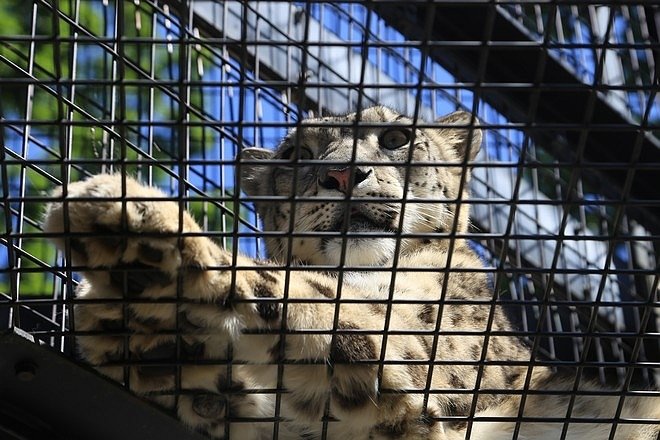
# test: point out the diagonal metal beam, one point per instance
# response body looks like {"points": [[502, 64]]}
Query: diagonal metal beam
{"points": [[48, 396], [510, 80]]}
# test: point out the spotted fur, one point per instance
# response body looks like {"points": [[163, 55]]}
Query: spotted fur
{"points": [[210, 341]]}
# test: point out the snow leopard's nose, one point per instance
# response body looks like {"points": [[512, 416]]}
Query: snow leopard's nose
{"points": [[340, 178]]}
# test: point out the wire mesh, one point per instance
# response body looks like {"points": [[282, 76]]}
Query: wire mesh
{"points": [[564, 216]]}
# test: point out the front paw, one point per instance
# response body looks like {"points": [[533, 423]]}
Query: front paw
{"points": [[132, 231]]}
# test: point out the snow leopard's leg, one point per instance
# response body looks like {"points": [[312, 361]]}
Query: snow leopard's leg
{"points": [[166, 279], [139, 265], [594, 408]]}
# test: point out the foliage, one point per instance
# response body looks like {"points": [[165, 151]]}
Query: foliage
{"points": [[79, 96]]}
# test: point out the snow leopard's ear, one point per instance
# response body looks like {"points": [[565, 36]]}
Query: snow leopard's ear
{"points": [[468, 131], [254, 174]]}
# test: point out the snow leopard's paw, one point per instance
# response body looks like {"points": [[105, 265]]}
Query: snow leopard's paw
{"points": [[152, 287]]}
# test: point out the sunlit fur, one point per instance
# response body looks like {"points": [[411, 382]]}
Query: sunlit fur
{"points": [[436, 305]]}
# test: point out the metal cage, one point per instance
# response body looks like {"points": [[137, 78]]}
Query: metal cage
{"points": [[565, 198]]}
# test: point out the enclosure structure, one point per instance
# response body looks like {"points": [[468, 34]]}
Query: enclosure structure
{"points": [[565, 205]]}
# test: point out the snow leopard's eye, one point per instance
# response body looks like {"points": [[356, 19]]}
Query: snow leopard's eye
{"points": [[304, 153], [394, 138]]}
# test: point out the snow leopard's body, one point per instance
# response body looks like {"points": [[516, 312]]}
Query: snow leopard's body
{"points": [[436, 306]]}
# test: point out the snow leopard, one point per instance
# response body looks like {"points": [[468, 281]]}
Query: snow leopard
{"points": [[371, 318]]}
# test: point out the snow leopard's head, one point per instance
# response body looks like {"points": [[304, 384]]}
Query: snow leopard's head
{"points": [[355, 182]]}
